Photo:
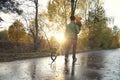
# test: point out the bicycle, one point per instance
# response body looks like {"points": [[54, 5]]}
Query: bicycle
{"points": [[52, 50]]}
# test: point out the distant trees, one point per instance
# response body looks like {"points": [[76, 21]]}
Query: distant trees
{"points": [[115, 37], [16, 32], [3, 35], [106, 38], [97, 27], [13, 39], [95, 33]]}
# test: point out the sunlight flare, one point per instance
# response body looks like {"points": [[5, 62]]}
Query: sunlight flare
{"points": [[60, 37]]}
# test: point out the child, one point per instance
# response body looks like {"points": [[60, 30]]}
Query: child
{"points": [[78, 22]]}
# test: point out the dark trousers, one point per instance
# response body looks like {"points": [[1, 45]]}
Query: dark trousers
{"points": [[70, 43]]}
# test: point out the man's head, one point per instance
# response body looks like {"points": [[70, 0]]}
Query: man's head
{"points": [[72, 18]]}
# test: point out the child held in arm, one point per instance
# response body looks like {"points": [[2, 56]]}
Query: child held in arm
{"points": [[78, 22]]}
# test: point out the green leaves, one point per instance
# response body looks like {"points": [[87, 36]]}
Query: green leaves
{"points": [[3, 35]]}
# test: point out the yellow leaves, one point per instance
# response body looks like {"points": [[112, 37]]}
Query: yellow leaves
{"points": [[16, 32]]}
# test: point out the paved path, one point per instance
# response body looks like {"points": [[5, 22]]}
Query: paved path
{"points": [[94, 65]]}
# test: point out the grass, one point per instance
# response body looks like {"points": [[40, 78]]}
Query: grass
{"points": [[20, 56], [6, 57]]}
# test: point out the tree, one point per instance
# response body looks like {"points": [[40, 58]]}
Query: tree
{"points": [[35, 35], [59, 12], [116, 30], [119, 39], [10, 6], [90, 10], [36, 25], [97, 25], [106, 38], [16, 32], [32, 30], [83, 40], [115, 39], [62, 8]]}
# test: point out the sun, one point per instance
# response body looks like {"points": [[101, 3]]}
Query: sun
{"points": [[60, 37]]}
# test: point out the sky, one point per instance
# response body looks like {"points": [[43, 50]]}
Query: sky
{"points": [[111, 7], [112, 10], [10, 18]]}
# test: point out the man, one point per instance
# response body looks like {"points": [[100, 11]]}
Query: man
{"points": [[71, 32]]}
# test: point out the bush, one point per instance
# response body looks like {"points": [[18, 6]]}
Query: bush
{"points": [[12, 47]]}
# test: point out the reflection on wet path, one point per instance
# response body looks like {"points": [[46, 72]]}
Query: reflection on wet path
{"points": [[94, 65]]}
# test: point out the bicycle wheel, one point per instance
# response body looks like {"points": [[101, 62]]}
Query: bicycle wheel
{"points": [[53, 55]]}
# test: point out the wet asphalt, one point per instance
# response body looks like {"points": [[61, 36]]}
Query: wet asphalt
{"points": [[92, 65]]}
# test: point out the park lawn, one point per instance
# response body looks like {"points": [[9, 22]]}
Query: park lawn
{"points": [[4, 57]]}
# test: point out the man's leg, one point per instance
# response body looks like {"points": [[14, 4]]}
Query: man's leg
{"points": [[67, 49], [74, 50]]}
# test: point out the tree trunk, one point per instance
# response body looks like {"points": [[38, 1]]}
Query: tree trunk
{"points": [[36, 27]]}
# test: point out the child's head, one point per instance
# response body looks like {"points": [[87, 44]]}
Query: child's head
{"points": [[78, 19]]}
